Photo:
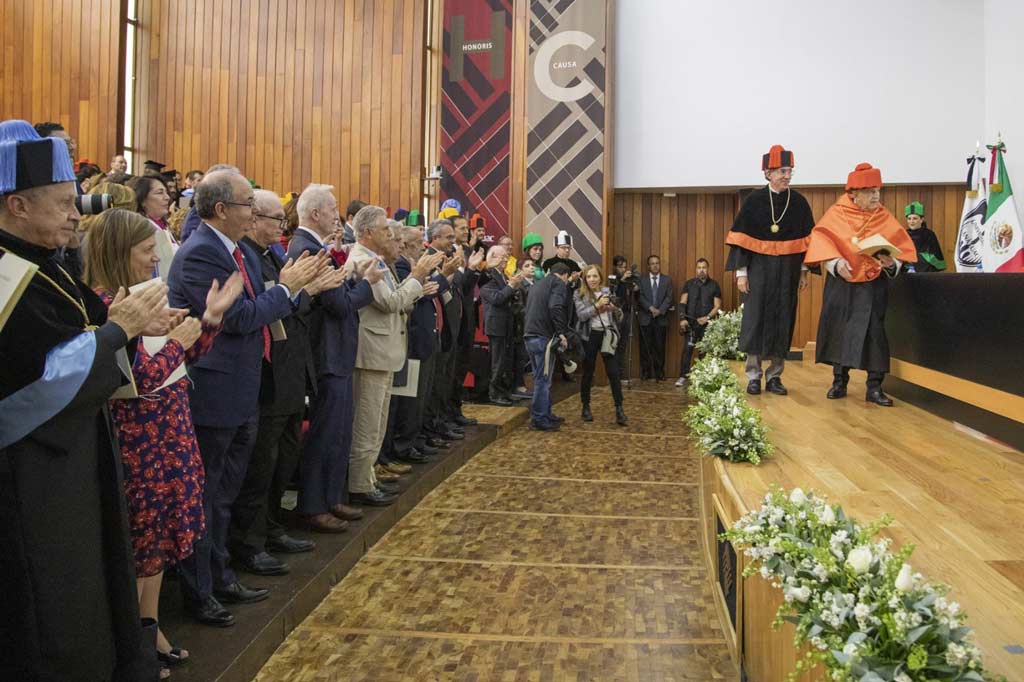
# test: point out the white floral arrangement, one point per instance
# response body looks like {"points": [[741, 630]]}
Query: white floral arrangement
{"points": [[865, 613], [710, 374], [722, 336], [724, 424]]}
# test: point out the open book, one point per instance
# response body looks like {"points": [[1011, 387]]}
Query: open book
{"points": [[876, 243], [15, 274]]}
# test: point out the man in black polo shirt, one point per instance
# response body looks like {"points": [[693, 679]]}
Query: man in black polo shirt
{"points": [[700, 301]]}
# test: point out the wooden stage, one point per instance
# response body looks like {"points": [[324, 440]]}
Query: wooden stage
{"points": [[957, 497]]}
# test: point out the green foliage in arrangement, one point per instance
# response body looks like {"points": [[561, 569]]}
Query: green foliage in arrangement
{"points": [[867, 616]]}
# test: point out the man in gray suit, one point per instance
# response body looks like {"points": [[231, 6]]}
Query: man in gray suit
{"points": [[382, 348], [656, 292]]}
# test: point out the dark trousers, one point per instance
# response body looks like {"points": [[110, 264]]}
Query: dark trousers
{"points": [[437, 410], [592, 349], [409, 411], [387, 446], [690, 342], [652, 350], [226, 453], [841, 376], [258, 505], [501, 363], [519, 362], [460, 365], [323, 473]]}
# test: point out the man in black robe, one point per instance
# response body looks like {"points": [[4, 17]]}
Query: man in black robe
{"points": [[69, 609], [766, 250]]}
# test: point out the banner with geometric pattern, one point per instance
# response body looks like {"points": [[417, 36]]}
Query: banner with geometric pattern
{"points": [[476, 106], [565, 105]]}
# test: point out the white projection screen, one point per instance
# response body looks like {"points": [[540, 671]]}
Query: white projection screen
{"points": [[702, 89]]}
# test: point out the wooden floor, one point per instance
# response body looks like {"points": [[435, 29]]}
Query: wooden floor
{"points": [[959, 499], [566, 556]]}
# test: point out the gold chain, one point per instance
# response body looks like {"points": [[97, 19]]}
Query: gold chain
{"points": [[89, 326], [771, 203]]}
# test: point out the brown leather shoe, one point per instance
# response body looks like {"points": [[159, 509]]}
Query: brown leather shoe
{"points": [[326, 523], [397, 468], [383, 474], [343, 511]]}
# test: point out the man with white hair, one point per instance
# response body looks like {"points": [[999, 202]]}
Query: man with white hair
{"points": [[333, 324], [382, 346]]}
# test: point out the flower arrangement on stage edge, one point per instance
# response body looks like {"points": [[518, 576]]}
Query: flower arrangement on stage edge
{"points": [[866, 614], [710, 374], [724, 425], [722, 336]]}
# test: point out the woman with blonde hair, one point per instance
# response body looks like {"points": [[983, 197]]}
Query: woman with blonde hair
{"points": [[599, 328], [162, 467]]}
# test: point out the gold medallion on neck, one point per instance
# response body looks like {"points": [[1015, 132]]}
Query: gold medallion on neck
{"points": [[775, 228]]}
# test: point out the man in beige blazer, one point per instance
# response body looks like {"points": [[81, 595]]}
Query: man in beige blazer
{"points": [[383, 343]]}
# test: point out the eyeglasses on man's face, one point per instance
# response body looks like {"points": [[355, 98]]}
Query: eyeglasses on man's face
{"points": [[281, 221]]}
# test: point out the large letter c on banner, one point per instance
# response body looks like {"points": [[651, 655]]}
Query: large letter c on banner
{"points": [[542, 66]]}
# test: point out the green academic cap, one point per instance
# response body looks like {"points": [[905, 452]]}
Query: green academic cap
{"points": [[915, 208]]}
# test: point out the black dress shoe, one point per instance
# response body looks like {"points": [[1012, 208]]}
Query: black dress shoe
{"points": [[775, 386], [377, 498], [388, 487], [263, 564], [754, 387], [426, 450], [878, 398], [620, 416], [452, 436], [500, 401], [837, 391], [237, 593], [586, 414], [463, 420], [455, 428], [210, 612], [285, 544], [557, 419], [413, 456], [545, 427]]}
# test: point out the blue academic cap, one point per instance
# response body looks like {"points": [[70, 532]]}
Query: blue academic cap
{"points": [[27, 160]]}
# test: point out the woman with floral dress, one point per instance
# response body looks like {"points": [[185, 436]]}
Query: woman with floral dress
{"points": [[162, 467]]}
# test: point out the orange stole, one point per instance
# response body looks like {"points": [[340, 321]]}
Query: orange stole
{"points": [[765, 247], [833, 236]]}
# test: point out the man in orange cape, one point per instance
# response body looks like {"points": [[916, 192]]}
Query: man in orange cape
{"points": [[851, 329]]}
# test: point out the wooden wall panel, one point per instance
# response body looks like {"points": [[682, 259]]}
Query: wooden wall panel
{"points": [[290, 91], [59, 62], [687, 226]]}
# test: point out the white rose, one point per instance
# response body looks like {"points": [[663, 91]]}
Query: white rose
{"points": [[905, 579], [902, 677], [801, 594], [859, 560], [797, 497], [827, 516]]}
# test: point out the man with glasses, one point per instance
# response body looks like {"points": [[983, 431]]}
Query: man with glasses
{"points": [[226, 381], [767, 243]]}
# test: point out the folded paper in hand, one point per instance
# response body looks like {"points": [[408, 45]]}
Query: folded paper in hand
{"points": [[15, 274], [875, 243]]}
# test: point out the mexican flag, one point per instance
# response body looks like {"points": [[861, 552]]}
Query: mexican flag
{"points": [[968, 237], [1002, 245]]}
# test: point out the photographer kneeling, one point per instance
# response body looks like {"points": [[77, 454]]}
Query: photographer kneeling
{"points": [[599, 329], [546, 330]]}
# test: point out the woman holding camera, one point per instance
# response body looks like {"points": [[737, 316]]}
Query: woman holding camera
{"points": [[599, 330], [162, 467]]}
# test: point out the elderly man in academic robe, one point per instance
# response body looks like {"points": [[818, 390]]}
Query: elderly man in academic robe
{"points": [[861, 246], [766, 249], [69, 609]]}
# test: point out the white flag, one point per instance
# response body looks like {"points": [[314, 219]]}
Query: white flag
{"points": [[968, 237]]}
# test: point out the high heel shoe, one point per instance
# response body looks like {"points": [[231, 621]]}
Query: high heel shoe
{"points": [[172, 657]]}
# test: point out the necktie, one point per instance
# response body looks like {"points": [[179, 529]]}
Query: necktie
{"points": [[237, 253]]}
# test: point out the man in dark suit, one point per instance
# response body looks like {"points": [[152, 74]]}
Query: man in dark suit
{"points": [[426, 327], [464, 282], [499, 322], [656, 292], [226, 381], [334, 337], [255, 517]]}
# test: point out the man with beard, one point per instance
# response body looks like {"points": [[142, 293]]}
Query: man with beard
{"points": [[766, 249], [700, 301], [851, 329]]}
